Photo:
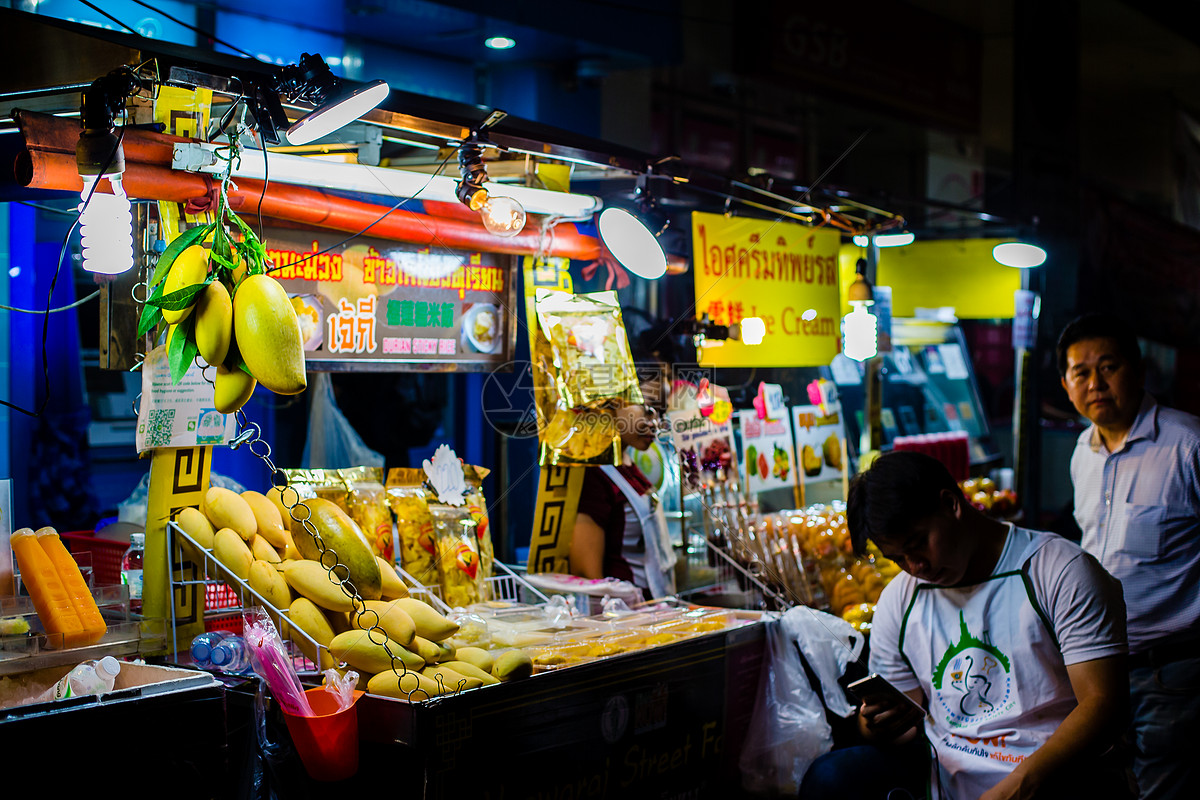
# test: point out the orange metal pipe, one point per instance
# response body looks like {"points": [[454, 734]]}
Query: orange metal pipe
{"points": [[44, 169]]}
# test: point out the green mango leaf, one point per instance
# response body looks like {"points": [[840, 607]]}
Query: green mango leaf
{"points": [[151, 314], [183, 349], [180, 243], [182, 298]]}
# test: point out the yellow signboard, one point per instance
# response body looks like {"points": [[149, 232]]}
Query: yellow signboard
{"points": [[783, 273], [959, 273]]}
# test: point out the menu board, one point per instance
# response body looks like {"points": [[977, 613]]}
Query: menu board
{"points": [[819, 442], [703, 446], [767, 446], [376, 305]]}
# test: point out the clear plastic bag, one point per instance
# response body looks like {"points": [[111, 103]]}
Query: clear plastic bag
{"points": [[332, 442], [788, 730]]}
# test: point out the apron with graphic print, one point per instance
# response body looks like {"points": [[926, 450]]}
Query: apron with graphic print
{"points": [[992, 673]]}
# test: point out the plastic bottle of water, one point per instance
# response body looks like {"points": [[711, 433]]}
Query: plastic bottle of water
{"points": [[202, 647], [90, 677], [231, 655], [131, 570]]}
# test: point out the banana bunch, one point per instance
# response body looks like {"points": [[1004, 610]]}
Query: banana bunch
{"points": [[220, 304]]}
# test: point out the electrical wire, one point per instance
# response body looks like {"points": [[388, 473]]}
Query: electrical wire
{"points": [[102, 12], [380, 219], [194, 29], [76, 304]]}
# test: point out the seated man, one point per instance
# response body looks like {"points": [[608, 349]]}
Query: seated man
{"points": [[1012, 640]]}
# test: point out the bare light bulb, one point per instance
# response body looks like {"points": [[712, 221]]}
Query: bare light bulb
{"points": [[105, 228], [752, 330], [502, 216], [860, 333]]}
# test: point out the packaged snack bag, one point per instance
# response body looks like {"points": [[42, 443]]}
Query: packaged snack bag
{"points": [[415, 533], [477, 505], [458, 555], [367, 504], [583, 372]]}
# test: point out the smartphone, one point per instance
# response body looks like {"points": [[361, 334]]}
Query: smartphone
{"points": [[874, 685]]}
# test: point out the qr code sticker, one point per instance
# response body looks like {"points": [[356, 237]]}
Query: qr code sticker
{"points": [[159, 427]]}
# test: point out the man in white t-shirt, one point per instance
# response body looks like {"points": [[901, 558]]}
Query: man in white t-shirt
{"points": [[1012, 640]]}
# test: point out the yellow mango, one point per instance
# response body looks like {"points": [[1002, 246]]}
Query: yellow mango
{"points": [[263, 551], [214, 323], [408, 686], [308, 617], [477, 657], [265, 579], [266, 516], [190, 268], [395, 621], [427, 650], [453, 681], [361, 651], [339, 533], [226, 509], [391, 586], [197, 526], [268, 334], [469, 670], [231, 389], [232, 552], [512, 665], [313, 581], [430, 624]]}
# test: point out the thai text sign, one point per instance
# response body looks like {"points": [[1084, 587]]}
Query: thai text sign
{"points": [[785, 274], [378, 305]]}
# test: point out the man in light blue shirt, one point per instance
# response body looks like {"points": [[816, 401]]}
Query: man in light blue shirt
{"points": [[1136, 472]]}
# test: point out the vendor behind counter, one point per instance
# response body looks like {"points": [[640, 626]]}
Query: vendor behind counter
{"points": [[620, 528]]}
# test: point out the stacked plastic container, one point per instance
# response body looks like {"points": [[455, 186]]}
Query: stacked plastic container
{"points": [[953, 449]]}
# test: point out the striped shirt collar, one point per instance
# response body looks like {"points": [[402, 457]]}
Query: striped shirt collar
{"points": [[1145, 425]]}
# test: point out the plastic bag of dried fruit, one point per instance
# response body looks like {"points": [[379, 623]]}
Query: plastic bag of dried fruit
{"points": [[583, 372], [415, 535], [367, 504]]}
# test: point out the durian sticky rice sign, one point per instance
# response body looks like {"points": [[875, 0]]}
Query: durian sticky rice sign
{"points": [[783, 273], [381, 305]]}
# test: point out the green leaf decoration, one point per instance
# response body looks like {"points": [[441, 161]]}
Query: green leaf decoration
{"points": [[181, 298], [151, 314], [183, 349], [180, 243]]}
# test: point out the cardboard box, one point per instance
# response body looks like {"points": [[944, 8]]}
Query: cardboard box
{"points": [[162, 727]]}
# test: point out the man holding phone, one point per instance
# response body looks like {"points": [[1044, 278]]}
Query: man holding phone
{"points": [[1011, 642]]}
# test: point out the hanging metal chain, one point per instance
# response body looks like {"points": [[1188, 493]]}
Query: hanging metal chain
{"points": [[250, 435]]}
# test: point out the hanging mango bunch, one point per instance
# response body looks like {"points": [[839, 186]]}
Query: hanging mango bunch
{"points": [[219, 302]]}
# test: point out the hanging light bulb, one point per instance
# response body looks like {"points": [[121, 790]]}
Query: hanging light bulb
{"points": [[502, 216], [105, 220], [860, 328], [860, 333], [105, 227]]}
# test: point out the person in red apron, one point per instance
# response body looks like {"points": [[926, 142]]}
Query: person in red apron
{"points": [[1012, 640]]}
